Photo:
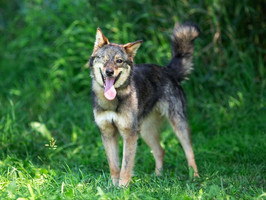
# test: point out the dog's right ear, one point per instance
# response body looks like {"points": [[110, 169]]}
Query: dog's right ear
{"points": [[100, 40]]}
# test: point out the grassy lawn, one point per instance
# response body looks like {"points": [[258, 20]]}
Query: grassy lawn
{"points": [[50, 147]]}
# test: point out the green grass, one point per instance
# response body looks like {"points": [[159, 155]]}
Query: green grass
{"points": [[50, 147]]}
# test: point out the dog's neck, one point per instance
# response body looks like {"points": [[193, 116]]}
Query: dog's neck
{"points": [[122, 94]]}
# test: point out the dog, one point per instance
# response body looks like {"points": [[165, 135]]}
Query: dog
{"points": [[133, 98]]}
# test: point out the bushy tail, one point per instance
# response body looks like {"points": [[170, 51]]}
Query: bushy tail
{"points": [[182, 49]]}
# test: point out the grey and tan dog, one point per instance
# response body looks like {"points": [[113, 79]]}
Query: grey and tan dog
{"points": [[130, 98]]}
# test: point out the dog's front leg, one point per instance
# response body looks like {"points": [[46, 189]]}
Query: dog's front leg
{"points": [[110, 142], [129, 152]]}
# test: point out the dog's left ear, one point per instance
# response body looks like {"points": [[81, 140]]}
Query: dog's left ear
{"points": [[131, 48], [100, 40]]}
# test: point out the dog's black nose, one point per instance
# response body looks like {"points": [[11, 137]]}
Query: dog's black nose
{"points": [[109, 72]]}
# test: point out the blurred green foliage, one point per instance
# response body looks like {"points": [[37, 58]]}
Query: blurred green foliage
{"points": [[45, 92], [45, 43]]}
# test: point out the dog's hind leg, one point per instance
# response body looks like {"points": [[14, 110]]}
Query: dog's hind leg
{"points": [[150, 133], [110, 141], [181, 129]]}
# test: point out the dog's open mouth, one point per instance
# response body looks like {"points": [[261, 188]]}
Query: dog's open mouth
{"points": [[109, 88]]}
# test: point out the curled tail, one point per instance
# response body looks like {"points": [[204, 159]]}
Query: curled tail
{"points": [[182, 49]]}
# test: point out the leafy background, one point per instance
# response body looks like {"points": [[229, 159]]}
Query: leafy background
{"points": [[50, 147]]}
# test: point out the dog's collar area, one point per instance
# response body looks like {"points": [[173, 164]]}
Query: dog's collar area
{"points": [[104, 78]]}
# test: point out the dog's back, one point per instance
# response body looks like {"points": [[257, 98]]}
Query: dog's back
{"points": [[158, 85]]}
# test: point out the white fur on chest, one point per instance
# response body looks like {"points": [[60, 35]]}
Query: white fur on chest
{"points": [[123, 121]]}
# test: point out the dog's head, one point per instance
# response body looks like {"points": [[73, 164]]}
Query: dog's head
{"points": [[111, 63]]}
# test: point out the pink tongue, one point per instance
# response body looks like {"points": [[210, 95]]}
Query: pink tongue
{"points": [[109, 89]]}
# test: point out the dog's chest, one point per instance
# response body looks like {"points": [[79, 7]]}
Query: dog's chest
{"points": [[123, 121], [121, 113], [107, 113]]}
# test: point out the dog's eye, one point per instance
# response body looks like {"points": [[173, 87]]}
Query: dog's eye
{"points": [[119, 61]]}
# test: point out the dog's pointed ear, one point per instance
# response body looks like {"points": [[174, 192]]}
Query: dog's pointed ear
{"points": [[131, 48], [100, 40]]}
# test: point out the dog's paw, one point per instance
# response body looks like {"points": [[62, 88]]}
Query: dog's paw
{"points": [[124, 183], [115, 181], [159, 172], [196, 175]]}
